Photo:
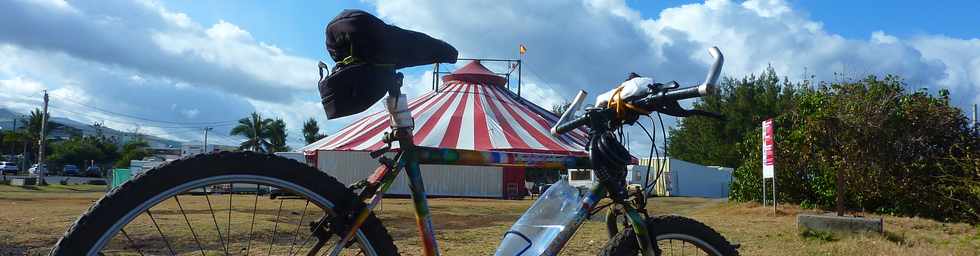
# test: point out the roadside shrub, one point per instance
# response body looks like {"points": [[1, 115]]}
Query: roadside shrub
{"points": [[900, 152]]}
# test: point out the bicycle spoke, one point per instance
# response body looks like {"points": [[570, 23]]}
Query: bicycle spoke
{"points": [[252, 228], [272, 240], [165, 240], [319, 225], [198, 241], [131, 243], [292, 242], [215, 219]]}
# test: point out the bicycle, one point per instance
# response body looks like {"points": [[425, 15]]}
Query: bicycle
{"points": [[347, 216]]}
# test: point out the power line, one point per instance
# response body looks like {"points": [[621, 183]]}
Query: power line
{"points": [[123, 121], [147, 119]]}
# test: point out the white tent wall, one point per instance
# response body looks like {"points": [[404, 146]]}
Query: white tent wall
{"points": [[440, 180], [682, 178], [688, 179]]}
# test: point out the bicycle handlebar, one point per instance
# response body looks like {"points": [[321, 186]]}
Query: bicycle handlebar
{"points": [[654, 100], [571, 125]]}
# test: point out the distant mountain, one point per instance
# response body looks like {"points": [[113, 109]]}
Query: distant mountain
{"points": [[7, 114], [7, 118]]}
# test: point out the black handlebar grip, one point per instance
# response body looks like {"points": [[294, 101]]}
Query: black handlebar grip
{"points": [[571, 125], [683, 93]]}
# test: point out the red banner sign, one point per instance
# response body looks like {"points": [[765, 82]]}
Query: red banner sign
{"points": [[768, 149]]}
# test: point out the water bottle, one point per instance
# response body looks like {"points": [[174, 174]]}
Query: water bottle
{"points": [[553, 212]]}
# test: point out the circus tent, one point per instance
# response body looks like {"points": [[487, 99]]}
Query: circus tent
{"points": [[472, 109]]}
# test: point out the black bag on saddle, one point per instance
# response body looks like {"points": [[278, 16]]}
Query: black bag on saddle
{"points": [[368, 52], [351, 89]]}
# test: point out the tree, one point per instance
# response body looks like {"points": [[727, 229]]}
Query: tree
{"points": [[311, 131], [132, 150], [277, 136], [76, 150], [891, 151], [560, 108], [34, 124], [13, 141], [255, 129], [745, 103]]}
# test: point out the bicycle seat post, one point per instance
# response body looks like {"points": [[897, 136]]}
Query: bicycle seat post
{"points": [[399, 114]]}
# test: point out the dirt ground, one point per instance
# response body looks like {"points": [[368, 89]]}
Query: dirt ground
{"points": [[31, 220]]}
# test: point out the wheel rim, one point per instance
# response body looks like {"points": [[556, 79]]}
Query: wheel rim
{"points": [[325, 205], [682, 239]]}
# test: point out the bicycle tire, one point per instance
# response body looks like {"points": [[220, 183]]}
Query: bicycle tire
{"points": [[671, 227], [91, 227]]}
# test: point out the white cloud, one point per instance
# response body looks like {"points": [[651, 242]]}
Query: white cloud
{"points": [[140, 58], [20, 86], [59, 5], [593, 44], [962, 62], [225, 31], [879, 37], [157, 42]]}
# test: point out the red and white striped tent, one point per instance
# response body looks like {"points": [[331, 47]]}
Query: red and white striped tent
{"points": [[471, 110]]}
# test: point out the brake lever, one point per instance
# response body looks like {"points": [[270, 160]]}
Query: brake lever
{"points": [[675, 109]]}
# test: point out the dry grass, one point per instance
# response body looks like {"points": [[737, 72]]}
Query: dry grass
{"points": [[31, 220]]}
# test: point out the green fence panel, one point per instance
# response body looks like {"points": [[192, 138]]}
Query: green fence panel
{"points": [[120, 176]]}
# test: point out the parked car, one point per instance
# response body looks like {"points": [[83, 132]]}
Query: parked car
{"points": [[70, 170], [34, 169], [93, 171], [8, 168]]}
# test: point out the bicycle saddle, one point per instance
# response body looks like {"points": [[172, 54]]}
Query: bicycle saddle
{"points": [[368, 52]]}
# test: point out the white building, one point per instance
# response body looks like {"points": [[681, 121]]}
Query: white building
{"points": [[682, 178], [194, 148]]}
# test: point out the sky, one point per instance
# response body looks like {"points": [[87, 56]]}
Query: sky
{"points": [[172, 68]]}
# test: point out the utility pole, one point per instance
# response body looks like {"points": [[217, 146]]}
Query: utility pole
{"points": [[24, 164], [205, 149], [41, 169], [13, 146]]}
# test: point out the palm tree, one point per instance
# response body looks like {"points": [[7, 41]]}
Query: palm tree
{"points": [[277, 136], [255, 129], [34, 124], [311, 131]]}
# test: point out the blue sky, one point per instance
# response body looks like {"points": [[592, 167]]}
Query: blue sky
{"points": [[295, 25], [215, 61]]}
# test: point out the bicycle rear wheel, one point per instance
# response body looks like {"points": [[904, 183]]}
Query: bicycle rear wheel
{"points": [[215, 204], [674, 235]]}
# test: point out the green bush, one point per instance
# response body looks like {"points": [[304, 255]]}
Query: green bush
{"points": [[900, 152]]}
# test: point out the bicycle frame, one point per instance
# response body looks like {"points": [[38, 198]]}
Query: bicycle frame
{"points": [[409, 159]]}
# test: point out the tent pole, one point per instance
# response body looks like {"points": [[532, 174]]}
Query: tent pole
{"points": [[519, 66]]}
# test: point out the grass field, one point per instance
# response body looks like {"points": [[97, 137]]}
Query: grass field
{"points": [[31, 220]]}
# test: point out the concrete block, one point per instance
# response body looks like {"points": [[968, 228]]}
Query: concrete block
{"points": [[23, 182], [839, 223]]}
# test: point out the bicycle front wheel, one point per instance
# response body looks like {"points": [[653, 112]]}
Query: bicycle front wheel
{"points": [[218, 204], [673, 235]]}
